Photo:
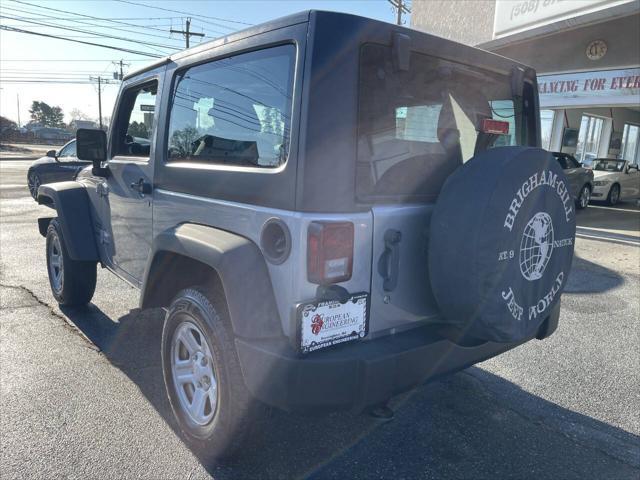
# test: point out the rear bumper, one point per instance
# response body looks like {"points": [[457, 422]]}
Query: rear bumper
{"points": [[357, 375]]}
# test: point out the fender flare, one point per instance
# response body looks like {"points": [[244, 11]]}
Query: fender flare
{"points": [[238, 263], [71, 201]]}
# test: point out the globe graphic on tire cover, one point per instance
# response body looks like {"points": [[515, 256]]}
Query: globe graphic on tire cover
{"points": [[536, 246]]}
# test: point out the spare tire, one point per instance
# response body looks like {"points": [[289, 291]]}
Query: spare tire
{"points": [[501, 243]]}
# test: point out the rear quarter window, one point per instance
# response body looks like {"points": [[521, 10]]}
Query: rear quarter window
{"points": [[234, 111]]}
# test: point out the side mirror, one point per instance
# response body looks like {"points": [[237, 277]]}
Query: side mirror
{"points": [[91, 145], [51, 153]]}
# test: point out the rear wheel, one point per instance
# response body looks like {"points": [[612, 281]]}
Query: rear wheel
{"points": [[72, 282], [202, 375], [614, 195], [33, 182], [584, 197]]}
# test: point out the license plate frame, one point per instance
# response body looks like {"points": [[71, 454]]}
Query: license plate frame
{"points": [[332, 329]]}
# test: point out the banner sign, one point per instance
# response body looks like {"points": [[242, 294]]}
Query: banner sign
{"points": [[606, 87], [518, 15]]}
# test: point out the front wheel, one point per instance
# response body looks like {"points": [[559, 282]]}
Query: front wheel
{"points": [[584, 197], [614, 195], [202, 376], [33, 182], [72, 282]]}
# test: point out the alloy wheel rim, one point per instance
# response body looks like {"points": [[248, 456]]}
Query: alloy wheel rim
{"points": [[56, 266], [584, 198], [615, 194], [193, 374], [33, 184]]}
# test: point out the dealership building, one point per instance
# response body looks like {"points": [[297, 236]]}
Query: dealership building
{"points": [[586, 54]]}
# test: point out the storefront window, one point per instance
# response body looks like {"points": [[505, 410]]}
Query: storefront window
{"points": [[630, 141], [589, 139], [546, 126]]}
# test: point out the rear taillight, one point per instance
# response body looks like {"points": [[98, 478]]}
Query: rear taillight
{"points": [[329, 252]]}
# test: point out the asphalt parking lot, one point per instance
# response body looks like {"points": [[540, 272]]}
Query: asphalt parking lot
{"points": [[81, 393]]}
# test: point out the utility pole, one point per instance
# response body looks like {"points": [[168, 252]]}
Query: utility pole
{"points": [[99, 104], [186, 32], [100, 81], [18, 97], [401, 7], [121, 64]]}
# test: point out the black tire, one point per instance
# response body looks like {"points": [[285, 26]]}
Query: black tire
{"points": [[77, 282], [583, 198], [614, 194], [33, 182], [235, 410], [501, 243]]}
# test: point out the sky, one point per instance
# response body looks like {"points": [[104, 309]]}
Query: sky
{"points": [[58, 71]]}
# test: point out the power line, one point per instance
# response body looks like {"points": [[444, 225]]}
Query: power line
{"points": [[187, 13], [147, 27], [147, 44], [113, 18], [102, 19], [22, 70], [135, 52], [121, 64], [52, 82], [68, 60], [186, 32], [100, 81], [401, 7], [84, 15], [77, 20], [37, 75]]}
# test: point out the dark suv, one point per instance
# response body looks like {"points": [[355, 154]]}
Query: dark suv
{"points": [[331, 210]]}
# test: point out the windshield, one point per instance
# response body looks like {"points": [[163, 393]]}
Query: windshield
{"points": [[609, 165], [417, 126]]}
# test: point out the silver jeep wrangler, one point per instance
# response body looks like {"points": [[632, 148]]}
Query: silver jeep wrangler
{"points": [[330, 209]]}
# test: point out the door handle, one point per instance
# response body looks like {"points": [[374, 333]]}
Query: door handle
{"points": [[142, 187], [389, 263]]}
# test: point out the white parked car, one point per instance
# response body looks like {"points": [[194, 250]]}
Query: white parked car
{"points": [[615, 180]]}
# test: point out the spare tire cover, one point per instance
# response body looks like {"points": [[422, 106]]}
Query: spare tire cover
{"points": [[501, 243]]}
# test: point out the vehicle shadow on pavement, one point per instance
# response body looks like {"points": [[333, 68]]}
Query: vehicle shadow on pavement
{"points": [[471, 425], [589, 277]]}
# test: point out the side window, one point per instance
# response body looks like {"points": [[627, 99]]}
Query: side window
{"points": [[572, 162], [562, 160], [134, 123], [235, 111], [69, 150]]}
